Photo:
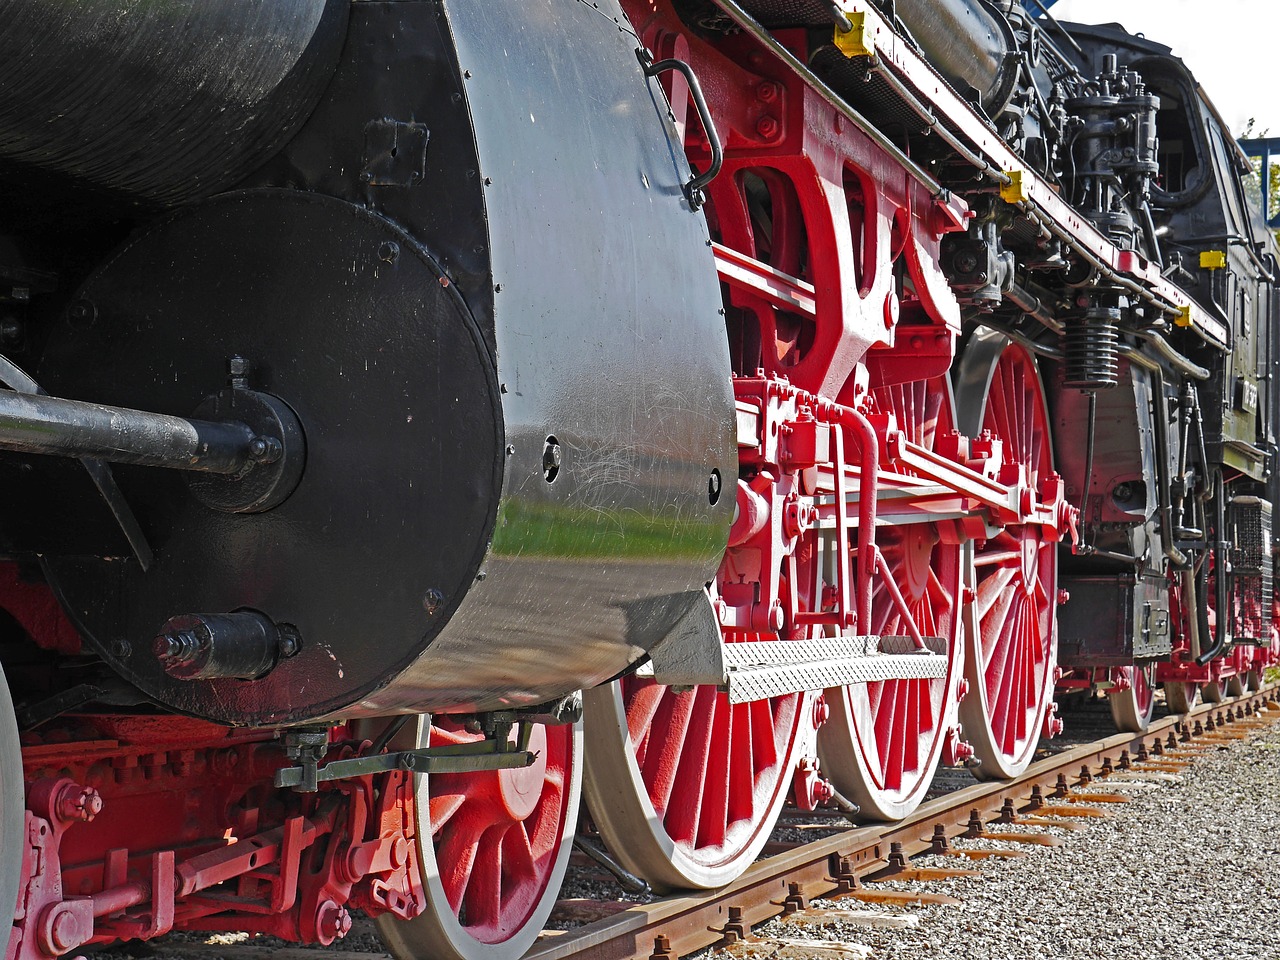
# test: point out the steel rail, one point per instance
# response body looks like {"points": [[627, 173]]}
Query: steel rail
{"points": [[694, 922]]}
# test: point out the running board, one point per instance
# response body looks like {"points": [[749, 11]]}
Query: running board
{"points": [[757, 670]]}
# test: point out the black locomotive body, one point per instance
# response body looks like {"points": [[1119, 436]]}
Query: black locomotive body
{"points": [[423, 519], [819, 389]]}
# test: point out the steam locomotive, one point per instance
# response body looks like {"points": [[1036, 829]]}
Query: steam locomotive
{"points": [[818, 388]]}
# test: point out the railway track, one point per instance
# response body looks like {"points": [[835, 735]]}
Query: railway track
{"points": [[1060, 790]]}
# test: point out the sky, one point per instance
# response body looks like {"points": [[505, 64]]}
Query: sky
{"points": [[1230, 46]]}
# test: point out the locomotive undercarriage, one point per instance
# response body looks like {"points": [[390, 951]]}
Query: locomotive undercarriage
{"points": [[952, 372]]}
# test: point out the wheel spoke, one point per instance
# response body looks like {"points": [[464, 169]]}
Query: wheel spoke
{"points": [[713, 816], [886, 722], [543, 825], [1001, 671], [894, 751], [995, 589], [690, 782], [482, 901], [913, 725], [939, 600], [519, 860], [456, 857], [442, 808], [742, 770], [763, 737], [642, 707], [670, 729]]}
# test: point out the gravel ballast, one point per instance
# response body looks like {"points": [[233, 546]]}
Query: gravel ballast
{"points": [[1189, 869]]}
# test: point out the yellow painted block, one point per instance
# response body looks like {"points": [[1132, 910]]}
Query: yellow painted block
{"points": [[856, 42], [1013, 191]]}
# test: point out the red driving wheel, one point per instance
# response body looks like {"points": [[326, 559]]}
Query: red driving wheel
{"points": [[882, 742], [493, 848], [683, 785], [1011, 644]]}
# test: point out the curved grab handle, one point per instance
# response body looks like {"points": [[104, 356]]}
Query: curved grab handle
{"points": [[693, 189]]}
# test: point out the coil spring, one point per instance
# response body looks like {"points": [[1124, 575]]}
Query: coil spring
{"points": [[1091, 344]]}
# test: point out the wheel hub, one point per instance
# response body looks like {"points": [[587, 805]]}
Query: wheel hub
{"points": [[1030, 562], [917, 551], [520, 789]]}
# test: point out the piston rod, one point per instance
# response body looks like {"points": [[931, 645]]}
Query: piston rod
{"points": [[32, 423]]}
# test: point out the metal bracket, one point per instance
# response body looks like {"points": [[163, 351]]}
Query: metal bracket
{"points": [[693, 652], [453, 758], [693, 189]]}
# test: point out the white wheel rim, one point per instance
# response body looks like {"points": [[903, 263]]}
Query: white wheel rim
{"points": [[1130, 709], [438, 932], [633, 828]]}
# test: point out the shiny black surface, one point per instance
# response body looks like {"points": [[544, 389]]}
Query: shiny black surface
{"points": [[505, 269], [155, 103], [346, 320]]}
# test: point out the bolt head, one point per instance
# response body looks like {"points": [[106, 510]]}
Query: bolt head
{"points": [[82, 312], [432, 600], [63, 930], [90, 803]]}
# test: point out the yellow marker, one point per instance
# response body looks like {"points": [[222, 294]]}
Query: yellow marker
{"points": [[1183, 319], [1213, 259], [857, 41], [1013, 192]]}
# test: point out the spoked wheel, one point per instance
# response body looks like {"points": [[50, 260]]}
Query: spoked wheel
{"points": [[882, 742], [1241, 662], [683, 786], [1212, 692], [1010, 634], [12, 806], [493, 848], [1235, 686], [1181, 697], [1131, 708]]}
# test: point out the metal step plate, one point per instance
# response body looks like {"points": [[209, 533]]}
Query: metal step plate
{"points": [[758, 670]]}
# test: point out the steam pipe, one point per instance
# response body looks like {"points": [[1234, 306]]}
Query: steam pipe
{"points": [[1222, 626], [968, 41], [31, 423], [1176, 556]]}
